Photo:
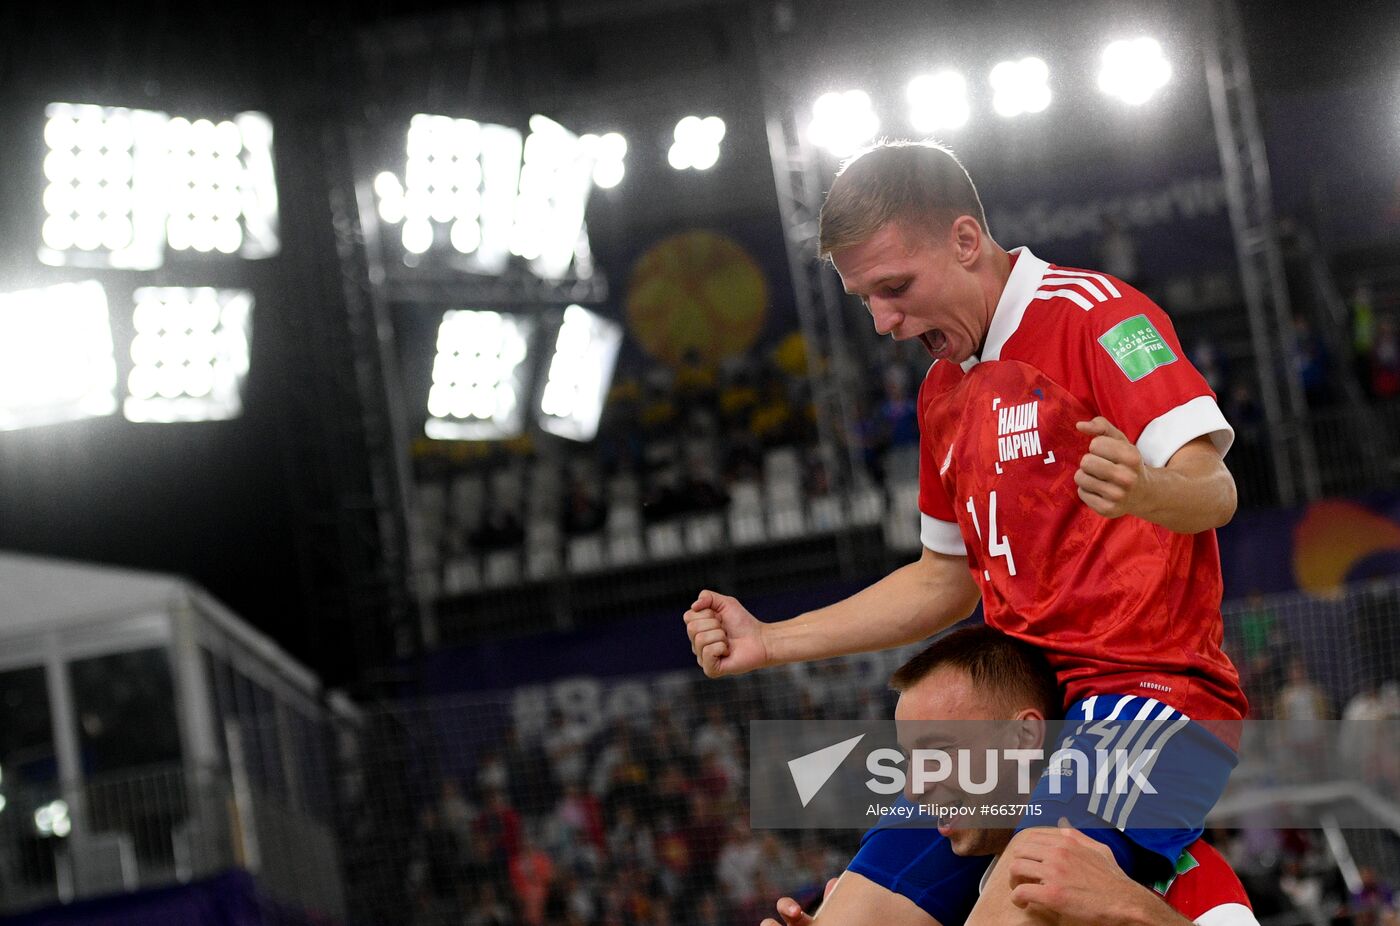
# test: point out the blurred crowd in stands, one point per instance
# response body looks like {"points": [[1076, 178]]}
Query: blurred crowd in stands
{"points": [[645, 823], [1292, 878], [642, 820]]}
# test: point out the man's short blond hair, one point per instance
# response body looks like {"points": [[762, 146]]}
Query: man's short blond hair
{"points": [[922, 185]]}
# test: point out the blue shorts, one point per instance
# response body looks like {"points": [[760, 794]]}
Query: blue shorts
{"points": [[919, 863], [1115, 751]]}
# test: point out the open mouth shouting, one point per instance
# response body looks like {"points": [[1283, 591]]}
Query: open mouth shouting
{"points": [[935, 342]]}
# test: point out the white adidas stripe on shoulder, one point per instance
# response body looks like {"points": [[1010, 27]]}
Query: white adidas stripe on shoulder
{"points": [[1107, 283], [1072, 295], [1085, 283], [1081, 287]]}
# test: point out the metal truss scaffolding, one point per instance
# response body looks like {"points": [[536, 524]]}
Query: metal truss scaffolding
{"points": [[348, 461], [1260, 253], [831, 364]]}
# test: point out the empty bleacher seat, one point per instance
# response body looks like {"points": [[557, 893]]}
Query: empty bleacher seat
{"points": [[587, 553], [704, 533], [867, 505], [827, 514], [782, 491], [625, 548], [746, 523], [665, 541], [502, 568], [902, 520], [461, 574]]}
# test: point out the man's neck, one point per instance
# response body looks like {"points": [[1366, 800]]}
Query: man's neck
{"points": [[1000, 262]]}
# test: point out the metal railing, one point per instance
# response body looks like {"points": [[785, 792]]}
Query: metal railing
{"points": [[157, 826]]}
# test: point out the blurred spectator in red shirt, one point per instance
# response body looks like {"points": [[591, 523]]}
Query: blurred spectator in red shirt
{"points": [[530, 874], [1385, 360]]}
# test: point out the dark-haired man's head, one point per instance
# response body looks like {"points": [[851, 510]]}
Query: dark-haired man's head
{"points": [[1011, 674], [968, 692]]}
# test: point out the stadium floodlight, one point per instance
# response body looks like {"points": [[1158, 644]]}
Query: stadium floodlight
{"points": [[696, 143], [189, 354], [579, 374], [124, 183], [489, 193], [205, 202], [556, 176], [1020, 87], [52, 819], [842, 122], [1134, 70], [104, 193], [56, 361], [258, 187], [478, 380], [389, 194], [938, 101], [442, 185], [501, 150], [609, 153]]}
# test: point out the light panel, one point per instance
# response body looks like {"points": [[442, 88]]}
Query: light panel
{"points": [[938, 101], [222, 196], [56, 360], [104, 198], [489, 194], [189, 354], [123, 184], [579, 374], [258, 188], [442, 185], [52, 819], [696, 144], [1134, 70], [501, 150], [555, 178], [843, 122], [1020, 87], [478, 376], [609, 153]]}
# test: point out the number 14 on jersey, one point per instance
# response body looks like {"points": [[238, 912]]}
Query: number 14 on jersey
{"points": [[996, 546]]}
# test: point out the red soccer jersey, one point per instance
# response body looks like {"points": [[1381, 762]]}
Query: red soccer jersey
{"points": [[1206, 889], [1119, 606]]}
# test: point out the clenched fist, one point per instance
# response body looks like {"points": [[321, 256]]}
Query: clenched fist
{"points": [[1111, 476], [725, 638]]}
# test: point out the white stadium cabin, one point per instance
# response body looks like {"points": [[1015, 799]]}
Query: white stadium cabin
{"points": [[153, 737]]}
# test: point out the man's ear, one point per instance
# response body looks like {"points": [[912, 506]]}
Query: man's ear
{"points": [[1030, 731], [967, 240]]}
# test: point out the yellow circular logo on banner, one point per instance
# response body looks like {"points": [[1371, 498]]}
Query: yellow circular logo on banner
{"points": [[696, 291]]}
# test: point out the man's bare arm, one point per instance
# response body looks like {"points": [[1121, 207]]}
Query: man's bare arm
{"points": [[1192, 493], [908, 605], [855, 900]]}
